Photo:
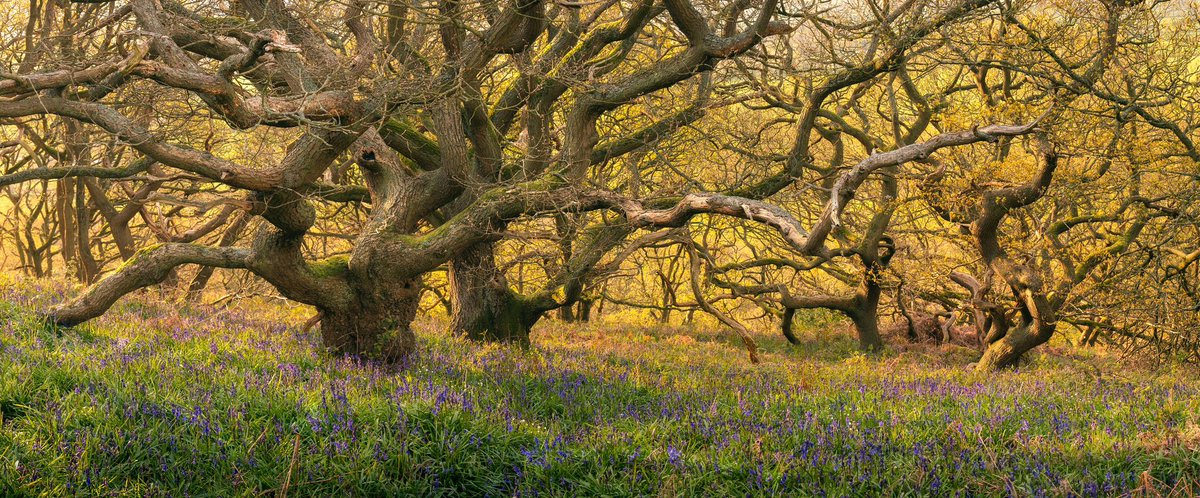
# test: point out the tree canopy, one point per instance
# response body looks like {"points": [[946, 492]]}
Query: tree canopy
{"points": [[1005, 170]]}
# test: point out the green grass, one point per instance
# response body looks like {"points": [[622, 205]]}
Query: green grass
{"points": [[157, 399]]}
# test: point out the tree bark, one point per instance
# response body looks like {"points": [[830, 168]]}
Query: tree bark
{"points": [[1037, 314], [64, 207], [865, 313], [484, 307], [866, 325], [377, 324], [1007, 351], [585, 310]]}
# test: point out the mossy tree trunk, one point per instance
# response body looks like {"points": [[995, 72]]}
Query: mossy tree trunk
{"points": [[376, 324], [484, 306]]}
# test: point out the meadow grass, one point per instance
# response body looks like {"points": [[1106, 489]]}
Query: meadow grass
{"points": [[158, 399]]}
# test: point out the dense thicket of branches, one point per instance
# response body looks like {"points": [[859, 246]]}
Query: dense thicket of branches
{"points": [[1013, 168]]}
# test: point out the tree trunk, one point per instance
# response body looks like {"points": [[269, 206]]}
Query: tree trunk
{"points": [[585, 310], [484, 307], [789, 315], [576, 311], [1038, 314], [866, 323], [64, 207], [378, 324], [865, 309], [1007, 351], [567, 314], [89, 268]]}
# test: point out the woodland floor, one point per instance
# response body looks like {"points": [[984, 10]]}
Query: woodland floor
{"points": [[158, 399]]}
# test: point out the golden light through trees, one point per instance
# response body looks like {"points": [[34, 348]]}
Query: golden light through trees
{"points": [[999, 171]]}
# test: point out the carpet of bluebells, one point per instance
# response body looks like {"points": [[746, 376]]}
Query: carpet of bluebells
{"points": [[158, 399]]}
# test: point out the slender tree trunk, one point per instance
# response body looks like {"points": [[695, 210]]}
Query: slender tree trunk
{"points": [[64, 206], [89, 268], [585, 310], [576, 311], [669, 298], [789, 316]]}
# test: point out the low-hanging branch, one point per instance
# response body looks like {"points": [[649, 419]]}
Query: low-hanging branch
{"points": [[150, 266], [59, 172]]}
